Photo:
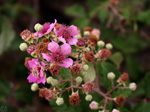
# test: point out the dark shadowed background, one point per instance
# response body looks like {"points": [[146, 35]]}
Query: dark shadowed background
{"points": [[126, 25]]}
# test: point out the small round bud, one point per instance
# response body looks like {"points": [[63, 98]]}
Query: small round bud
{"points": [[23, 46], [78, 36], [85, 67], [60, 101], [115, 110], [86, 33], [87, 49], [109, 46], [78, 80], [88, 97], [53, 82], [100, 44], [94, 105], [38, 27], [34, 87], [132, 86], [111, 75]]}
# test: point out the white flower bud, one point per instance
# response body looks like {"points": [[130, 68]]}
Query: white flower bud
{"points": [[38, 27], [109, 46], [78, 80], [132, 86], [52, 81], [60, 101], [87, 49], [94, 105], [23, 46], [34, 87], [78, 36], [115, 110], [100, 44], [86, 33], [88, 97], [85, 67], [111, 75]]}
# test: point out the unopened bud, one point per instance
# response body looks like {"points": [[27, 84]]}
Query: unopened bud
{"points": [[38, 27], [109, 46], [23, 46], [94, 105], [87, 49], [132, 86], [78, 80], [34, 87], [100, 44], [86, 33], [88, 97], [60, 101], [52, 81], [115, 110], [78, 36], [85, 67], [111, 75]]}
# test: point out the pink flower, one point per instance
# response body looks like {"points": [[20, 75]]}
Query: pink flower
{"points": [[58, 55], [67, 33], [96, 32], [47, 28], [37, 73]]}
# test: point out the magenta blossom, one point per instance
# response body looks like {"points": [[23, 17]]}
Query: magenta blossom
{"points": [[47, 28], [67, 33], [37, 73], [58, 55]]}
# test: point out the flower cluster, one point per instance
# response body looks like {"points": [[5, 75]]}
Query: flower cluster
{"points": [[54, 47]]}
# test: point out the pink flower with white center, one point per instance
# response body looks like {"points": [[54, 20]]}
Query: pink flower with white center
{"points": [[47, 28], [115, 110], [67, 33], [37, 73], [58, 55], [94, 105]]}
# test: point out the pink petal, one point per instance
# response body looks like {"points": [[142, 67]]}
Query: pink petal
{"points": [[31, 78], [33, 63], [66, 49], [39, 35], [53, 46], [41, 80], [66, 63], [72, 41], [73, 30], [62, 39], [45, 56], [51, 27]]}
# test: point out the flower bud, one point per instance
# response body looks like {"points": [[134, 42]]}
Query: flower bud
{"points": [[60, 101], [88, 97], [74, 98], [132, 86], [94, 105], [100, 44], [76, 68], [111, 75], [23, 46], [109, 46], [34, 87], [78, 36], [115, 110], [78, 80], [89, 56], [85, 67], [88, 87], [52, 81], [38, 27], [120, 100], [86, 33], [81, 43], [87, 49]]}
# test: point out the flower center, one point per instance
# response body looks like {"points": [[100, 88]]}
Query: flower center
{"points": [[36, 72], [57, 57]]}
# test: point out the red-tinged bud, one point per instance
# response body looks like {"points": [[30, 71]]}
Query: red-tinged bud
{"points": [[42, 48], [89, 56], [26, 62], [87, 29], [46, 93], [120, 100], [76, 68], [88, 87], [81, 43], [92, 40], [54, 69], [103, 54], [124, 77]]}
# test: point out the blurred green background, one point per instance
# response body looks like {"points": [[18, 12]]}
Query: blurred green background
{"points": [[124, 23]]}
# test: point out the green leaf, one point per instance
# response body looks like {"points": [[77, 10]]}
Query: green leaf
{"points": [[76, 10], [146, 84], [64, 73], [124, 92], [81, 22], [123, 109], [89, 75], [4, 88], [117, 58], [6, 36], [103, 69], [142, 107], [103, 14], [24, 94], [23, 110], [144, 16]]}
